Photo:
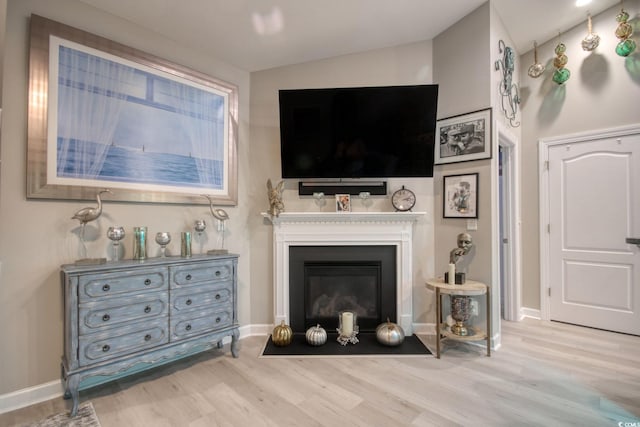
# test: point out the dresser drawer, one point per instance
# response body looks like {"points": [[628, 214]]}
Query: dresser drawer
{"points": [[201, 297], [198, 322], [122, 341], [189, 275], [95, 316], [119, 283]]}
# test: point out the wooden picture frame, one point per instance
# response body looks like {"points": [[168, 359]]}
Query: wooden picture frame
{"points": [[460, 196], [463, 138], [105, 115]]}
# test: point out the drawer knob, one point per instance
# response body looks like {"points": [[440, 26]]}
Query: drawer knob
{"points": [[188, 277], [106, 288], [147, 282], [106, 348], [218, 320], [188, 327], [218, 296], [147, 309], [188, 302], [218, 273], [106, 318], [147, 337]]}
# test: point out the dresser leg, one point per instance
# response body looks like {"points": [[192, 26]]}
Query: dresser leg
{"points": [[234, 342], [73, 382]]}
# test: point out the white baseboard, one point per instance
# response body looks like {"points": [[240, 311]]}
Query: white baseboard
{"points": [[30, 396], [533, 313]]}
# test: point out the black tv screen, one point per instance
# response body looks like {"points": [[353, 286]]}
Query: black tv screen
{"points": [[358, 132]]}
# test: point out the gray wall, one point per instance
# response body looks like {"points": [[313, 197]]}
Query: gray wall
{"points": [[403, 65], [603, 92], [36, 235]]}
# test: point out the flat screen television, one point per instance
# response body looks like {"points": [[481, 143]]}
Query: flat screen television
{"points": [[358, 132]]}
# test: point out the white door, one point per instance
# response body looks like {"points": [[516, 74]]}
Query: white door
{"points": [[594, 206]]}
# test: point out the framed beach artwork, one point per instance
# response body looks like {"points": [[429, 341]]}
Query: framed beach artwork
{"points": [[104, 115], [460, 196], [463, 138]]}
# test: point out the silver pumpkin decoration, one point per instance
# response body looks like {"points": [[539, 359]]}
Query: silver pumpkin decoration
{"points": [[316, 335], [389, 334]]}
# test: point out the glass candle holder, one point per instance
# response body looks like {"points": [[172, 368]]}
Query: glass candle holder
{"points": [[347, 327]]}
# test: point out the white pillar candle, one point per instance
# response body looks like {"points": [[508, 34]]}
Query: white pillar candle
{"points": [[347, 323], [452, 273]]}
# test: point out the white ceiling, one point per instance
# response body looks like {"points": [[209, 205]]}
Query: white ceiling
{"points": [[260, 34]]}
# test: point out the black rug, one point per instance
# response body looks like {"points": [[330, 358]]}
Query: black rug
{"points": [[368, 346]]}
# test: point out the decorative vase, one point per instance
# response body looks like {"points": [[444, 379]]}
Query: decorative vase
{"points": [[139, 243], [460, 312], [282, 335], [316, 335], [389, 334]]}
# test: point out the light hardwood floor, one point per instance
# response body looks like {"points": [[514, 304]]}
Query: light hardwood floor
{"points": [[545, 374]]}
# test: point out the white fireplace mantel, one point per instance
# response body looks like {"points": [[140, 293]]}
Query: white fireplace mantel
{"points": [[344, 229]]}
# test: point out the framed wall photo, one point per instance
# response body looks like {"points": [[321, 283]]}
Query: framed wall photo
{"points": [[343, 203], [105, 115], [463, 138], [460, 196]]}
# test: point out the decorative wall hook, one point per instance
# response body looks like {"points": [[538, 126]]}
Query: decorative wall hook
{"points": [[508, 89]]}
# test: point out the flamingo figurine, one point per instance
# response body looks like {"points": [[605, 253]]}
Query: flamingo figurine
{"points": [[219, 214], [89, 214]]}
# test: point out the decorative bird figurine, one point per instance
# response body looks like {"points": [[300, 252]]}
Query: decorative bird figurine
{"points": [[221, 215], [89, 214], [217, 213]]}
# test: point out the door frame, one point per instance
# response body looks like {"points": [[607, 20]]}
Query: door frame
{"points": [[510, 266], [544, 145]]}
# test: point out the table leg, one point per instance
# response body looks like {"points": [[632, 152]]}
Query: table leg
{"points": [[438, 321], [488, 296]]}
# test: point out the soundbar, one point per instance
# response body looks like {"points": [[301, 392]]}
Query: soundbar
{"points": [[329, 188]]}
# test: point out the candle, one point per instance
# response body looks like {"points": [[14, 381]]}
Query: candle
{"points": [[347, 324], [452, 273]]}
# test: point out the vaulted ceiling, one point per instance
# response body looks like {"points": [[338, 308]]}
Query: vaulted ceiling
{"points": [[260, 34]]}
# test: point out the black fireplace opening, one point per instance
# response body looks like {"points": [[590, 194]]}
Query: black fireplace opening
{"points": [[325, 280]]}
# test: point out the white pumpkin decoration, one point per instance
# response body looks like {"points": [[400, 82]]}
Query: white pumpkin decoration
{"points": [[316, 335], [389, 334]]}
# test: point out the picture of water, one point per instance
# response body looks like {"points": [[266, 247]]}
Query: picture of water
{"points": [[123, 164]]}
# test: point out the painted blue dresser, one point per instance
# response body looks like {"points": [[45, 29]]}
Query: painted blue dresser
{"points": [[133, 315]]}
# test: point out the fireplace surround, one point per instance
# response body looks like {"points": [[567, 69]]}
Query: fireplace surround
{"points": [[345, 229]]}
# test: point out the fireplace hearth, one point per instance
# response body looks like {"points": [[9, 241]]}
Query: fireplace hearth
{"points": [[325, 280]]}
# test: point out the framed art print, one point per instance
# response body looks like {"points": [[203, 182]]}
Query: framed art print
{"points": [[460, 196], [105, 115], [463, 138]]}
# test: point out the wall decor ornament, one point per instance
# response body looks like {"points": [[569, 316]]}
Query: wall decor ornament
{"points": [[626, 46], [536, 69], [508, 89], [561, 74], [591, 41], [102, 114]]}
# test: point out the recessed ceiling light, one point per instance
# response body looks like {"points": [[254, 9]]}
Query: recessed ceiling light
{"points": [[580, 3]]}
